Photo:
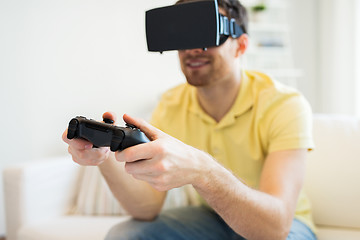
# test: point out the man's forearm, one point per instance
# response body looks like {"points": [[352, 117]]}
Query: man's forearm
{"points": [[139, 199], [251, 213]]}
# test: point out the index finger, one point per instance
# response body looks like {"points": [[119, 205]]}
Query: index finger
{"points": [[76, 143], [64, 137]]}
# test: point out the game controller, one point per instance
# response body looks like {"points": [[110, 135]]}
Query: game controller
{"points": [[105, 134]]}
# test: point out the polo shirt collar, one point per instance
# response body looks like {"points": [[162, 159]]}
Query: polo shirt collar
{"points": [[243, 102]]}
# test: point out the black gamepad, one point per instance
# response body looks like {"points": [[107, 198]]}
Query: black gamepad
{"points": [[105, 134]]}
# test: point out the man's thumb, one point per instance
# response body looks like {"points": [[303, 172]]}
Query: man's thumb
{"points": [[109, 116], [150, 131]]}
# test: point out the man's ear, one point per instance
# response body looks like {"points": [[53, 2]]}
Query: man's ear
{"points": [[243, 43]]}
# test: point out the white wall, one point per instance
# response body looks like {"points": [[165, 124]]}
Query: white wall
{"points": [[59, 59], [337, 56], [303, 18], [357, 56], [325, 35]]}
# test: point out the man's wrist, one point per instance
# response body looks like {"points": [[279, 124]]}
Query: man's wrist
{"points": [[205, 171], [108, 164]]}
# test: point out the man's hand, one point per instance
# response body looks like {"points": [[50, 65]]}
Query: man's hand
{"points": [[82, 151], [165, 162]]}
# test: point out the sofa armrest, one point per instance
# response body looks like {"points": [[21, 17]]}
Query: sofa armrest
{"points": [[332, 176], [38, 190]]}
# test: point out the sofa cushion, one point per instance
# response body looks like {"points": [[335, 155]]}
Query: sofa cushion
{"points": [[69, 227], [95, 197], [333, 175], [325, 233]]}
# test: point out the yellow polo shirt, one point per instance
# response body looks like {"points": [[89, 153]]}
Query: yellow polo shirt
{"points": [[266, 117]]}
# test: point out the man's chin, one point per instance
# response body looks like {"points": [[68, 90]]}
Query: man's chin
{"points": [[197, 83]]}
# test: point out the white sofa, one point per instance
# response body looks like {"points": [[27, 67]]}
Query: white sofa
{"points": [[38, 195]]}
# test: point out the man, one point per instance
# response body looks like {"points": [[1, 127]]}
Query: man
{"points": [[238, 137]]}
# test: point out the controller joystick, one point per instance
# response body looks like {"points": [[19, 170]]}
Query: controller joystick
{"points": [[108, 120]]}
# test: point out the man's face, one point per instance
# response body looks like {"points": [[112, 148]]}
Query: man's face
{"points": [[202, 68]]}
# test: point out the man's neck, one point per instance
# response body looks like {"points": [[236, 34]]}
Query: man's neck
{"points": [[216, 100]]}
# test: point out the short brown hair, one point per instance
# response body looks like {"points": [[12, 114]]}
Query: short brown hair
{"points": [[233, 8]]}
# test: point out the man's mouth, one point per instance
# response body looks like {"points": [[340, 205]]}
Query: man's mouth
{"points": [[196, 64]]}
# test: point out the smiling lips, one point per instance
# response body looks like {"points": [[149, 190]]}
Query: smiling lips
{"points": [[196, 63]]}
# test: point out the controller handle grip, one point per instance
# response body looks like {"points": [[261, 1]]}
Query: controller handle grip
{"points": [[73, 128], [133, 137]]}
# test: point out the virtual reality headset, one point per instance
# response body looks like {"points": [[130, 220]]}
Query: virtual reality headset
{"points": [[188, 26]]}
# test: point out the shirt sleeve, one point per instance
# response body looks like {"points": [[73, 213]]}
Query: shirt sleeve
{"points": [[290, 125]]}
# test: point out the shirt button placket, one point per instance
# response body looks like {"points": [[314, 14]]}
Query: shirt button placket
{"points": [[216, 146]]}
